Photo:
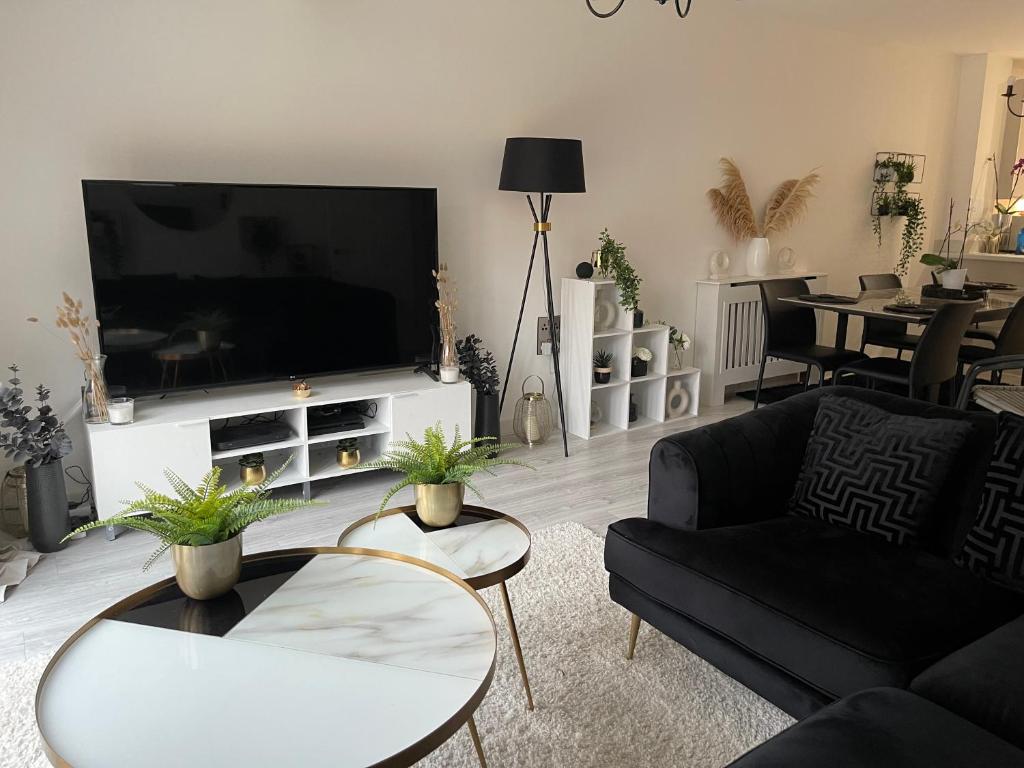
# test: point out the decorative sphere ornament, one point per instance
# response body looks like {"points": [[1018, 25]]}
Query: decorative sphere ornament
{"points": [[584, 270]]}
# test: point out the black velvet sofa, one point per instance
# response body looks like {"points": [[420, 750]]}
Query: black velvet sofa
{"points": [[806, 613]]}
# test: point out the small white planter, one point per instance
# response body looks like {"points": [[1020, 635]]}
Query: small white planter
{"points": [[953, 279], [759, 252]]}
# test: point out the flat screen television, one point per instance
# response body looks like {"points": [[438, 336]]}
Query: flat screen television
{"points": [[203, 285]]}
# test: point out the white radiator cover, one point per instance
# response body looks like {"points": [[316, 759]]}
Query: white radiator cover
{"points": [[729, 332]]}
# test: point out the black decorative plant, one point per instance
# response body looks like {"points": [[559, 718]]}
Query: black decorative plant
{"points": [[26, 438], [477, 365]]}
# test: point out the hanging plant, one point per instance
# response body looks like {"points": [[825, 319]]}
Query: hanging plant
{"points": [[891, 199], [616, 265]]}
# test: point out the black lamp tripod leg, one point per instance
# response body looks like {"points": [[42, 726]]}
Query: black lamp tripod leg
{"points": [[554, 336], [519, 323]]}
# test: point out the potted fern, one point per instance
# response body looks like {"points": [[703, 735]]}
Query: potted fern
{"points": [[735, 213], [602, 366], [439, 472], [202, 527]]}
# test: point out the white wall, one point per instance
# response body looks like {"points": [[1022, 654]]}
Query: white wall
{"points": [[424, 93]]}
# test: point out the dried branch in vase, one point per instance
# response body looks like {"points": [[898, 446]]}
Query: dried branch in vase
{"points": [[80, 329], [446, 305]]}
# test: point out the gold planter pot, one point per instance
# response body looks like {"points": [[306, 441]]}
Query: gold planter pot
{"points": [[252, 475], [439, 505], [348, 459], [206, 572]]}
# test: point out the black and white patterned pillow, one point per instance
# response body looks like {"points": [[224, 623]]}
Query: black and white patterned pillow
{"points": [[876, 472], [995, 545]]}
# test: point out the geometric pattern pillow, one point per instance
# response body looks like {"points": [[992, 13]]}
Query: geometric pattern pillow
{"points": [[995, 545], [876, 472]]}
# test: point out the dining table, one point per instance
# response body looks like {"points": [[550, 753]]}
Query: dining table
{"points": [[995, 305]]}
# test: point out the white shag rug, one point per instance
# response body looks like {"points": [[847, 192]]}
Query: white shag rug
{"points": [[667, 707]]}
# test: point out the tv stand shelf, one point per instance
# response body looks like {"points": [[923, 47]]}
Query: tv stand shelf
{"points": [[174, 432]]}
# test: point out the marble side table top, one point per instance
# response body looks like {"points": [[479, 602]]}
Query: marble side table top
{"points": [[483, 546], [319, 657]]}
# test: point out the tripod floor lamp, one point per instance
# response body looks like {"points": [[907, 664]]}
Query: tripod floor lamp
{"points": [[542, 166]]}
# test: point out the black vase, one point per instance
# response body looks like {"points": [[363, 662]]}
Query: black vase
{"points": [[48, 520], [638, 368], [638, 318], [487, 421]]}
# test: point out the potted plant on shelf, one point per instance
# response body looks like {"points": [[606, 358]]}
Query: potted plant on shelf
{"points": [[614, 264], [209, 327], [893, 169], [642, 356], [603, 366], [40, 442], [348, 452], [252, 469], [735, 213], [478, 367], [202, 527], [440, 473]]}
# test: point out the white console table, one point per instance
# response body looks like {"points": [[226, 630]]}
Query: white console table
{"points": [[175, 432], [729, 332]]}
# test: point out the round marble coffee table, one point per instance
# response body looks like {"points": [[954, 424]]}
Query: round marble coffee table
{"points": [[484, 547], [319, 657]]}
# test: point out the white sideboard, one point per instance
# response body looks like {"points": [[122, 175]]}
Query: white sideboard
{"points": [[729, 332], [175, 432]]}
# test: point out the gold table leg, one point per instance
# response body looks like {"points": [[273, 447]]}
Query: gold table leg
{"points": [[515, 644], [634, 629], [471, 723]]}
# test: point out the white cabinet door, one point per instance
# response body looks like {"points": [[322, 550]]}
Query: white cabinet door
{"points": [[123, 456], [413, 412]]}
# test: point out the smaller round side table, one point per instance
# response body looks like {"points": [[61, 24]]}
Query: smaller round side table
{"points": [[483, 547]]}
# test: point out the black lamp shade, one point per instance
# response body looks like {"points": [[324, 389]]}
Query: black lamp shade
{"points": [[542, 165]]}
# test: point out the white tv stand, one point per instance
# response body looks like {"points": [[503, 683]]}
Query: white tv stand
{"points": [[174, 433]]}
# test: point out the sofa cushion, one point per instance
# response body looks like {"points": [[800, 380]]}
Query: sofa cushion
{"points": [[882, 727], [995, 545], [874, 471], [838, 610], [983, 682]]}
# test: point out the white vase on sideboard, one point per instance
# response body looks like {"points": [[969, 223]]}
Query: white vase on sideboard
{"points": [[759, 252]]}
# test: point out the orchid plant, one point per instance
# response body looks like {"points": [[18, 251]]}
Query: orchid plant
{"points": [[1013, 203]]}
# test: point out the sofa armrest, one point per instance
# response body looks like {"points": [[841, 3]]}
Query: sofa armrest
{"points": [[736, 471]]}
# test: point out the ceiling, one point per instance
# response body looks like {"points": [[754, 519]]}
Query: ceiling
{"points": [[961, 26]]}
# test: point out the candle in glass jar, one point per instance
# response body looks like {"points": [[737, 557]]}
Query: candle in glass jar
{"points": [[121, 410]]}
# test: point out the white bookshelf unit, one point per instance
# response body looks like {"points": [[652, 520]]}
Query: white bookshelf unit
{"points": [[593, 319], [175, 432]]}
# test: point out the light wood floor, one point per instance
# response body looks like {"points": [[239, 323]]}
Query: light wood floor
{"points": [[603, 480]]}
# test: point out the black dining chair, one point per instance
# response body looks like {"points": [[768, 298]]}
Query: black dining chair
{"points": [[935, 360], [975, 332], [791, 333], [878, 332], [1010, 341]]}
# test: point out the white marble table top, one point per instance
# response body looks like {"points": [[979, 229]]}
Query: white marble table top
{"points": [[480, 551], [354, 659]]}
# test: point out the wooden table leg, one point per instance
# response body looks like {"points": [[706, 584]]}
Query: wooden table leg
{"points": [[516, 646], [471, 724]]}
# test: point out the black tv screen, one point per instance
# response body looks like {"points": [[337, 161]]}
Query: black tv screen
{"points": [[202, 285]]}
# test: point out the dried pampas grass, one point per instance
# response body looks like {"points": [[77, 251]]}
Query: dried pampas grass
{"points": [[735, 213], [731, 203]]}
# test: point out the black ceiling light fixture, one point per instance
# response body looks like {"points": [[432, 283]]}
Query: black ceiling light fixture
{"points": [[1009, 95], [682, 8]]}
